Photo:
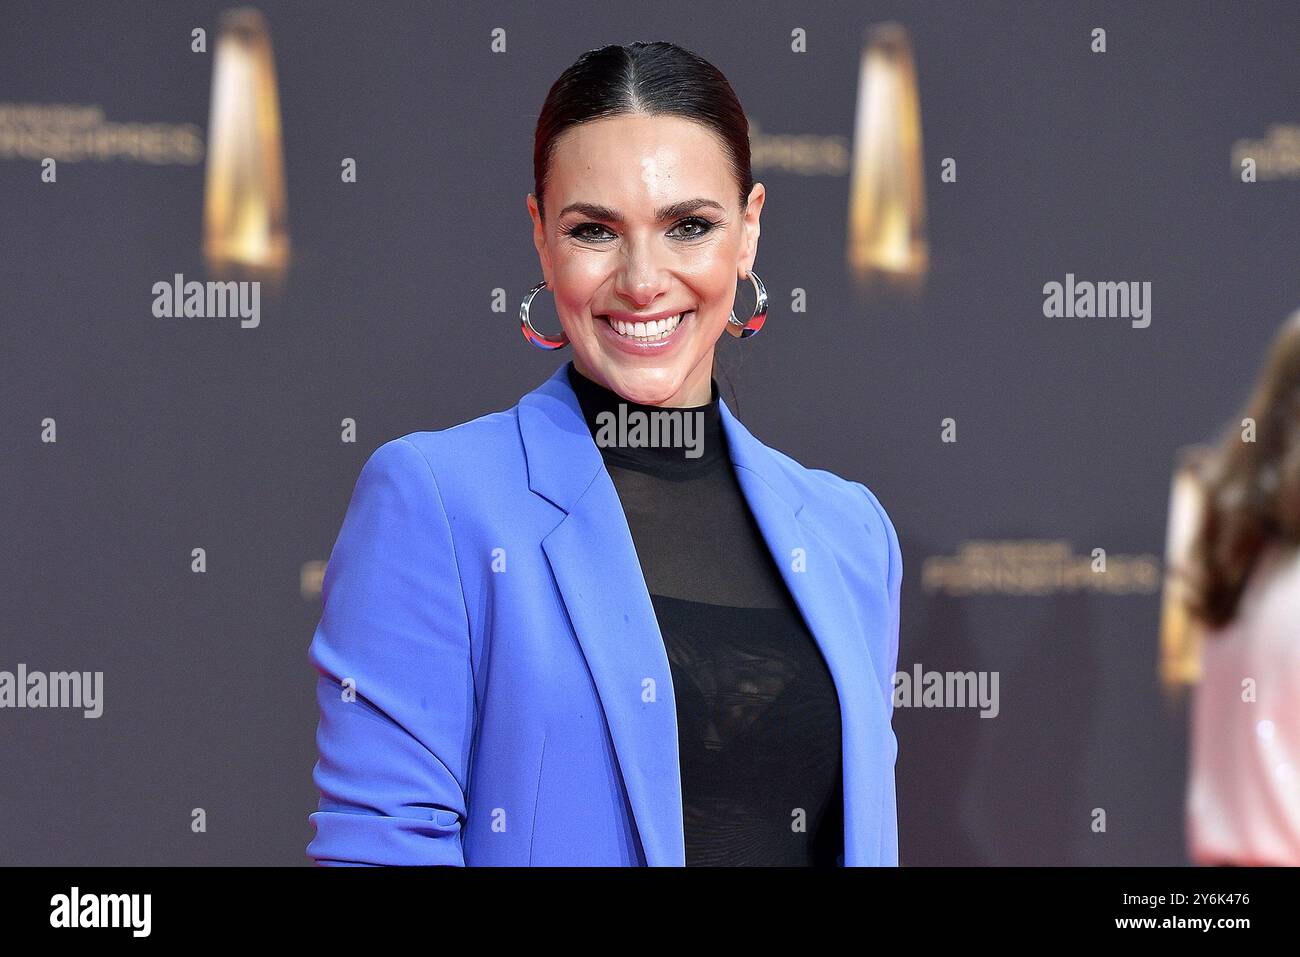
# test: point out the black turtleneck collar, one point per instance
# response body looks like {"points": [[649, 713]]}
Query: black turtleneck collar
{"points": [[694, 443]]}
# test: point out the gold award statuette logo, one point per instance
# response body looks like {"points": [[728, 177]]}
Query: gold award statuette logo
{"points": [[245, 230], [886, 190]]}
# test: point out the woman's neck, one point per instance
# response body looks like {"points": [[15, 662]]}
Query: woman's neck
{"points": [[674, 442]]}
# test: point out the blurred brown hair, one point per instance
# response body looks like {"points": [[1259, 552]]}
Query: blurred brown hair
{"points": [[1252, 495]]}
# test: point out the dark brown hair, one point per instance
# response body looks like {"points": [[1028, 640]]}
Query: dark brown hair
{"points": [[655, 78], [1252, 489]]}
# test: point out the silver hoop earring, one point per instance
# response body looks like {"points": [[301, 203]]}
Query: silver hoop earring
{"points": [[531, 334], [743, 330]]}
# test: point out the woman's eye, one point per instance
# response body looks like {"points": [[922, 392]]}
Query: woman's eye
{"points": [[704, 225], [696, 226], [577, 232]]}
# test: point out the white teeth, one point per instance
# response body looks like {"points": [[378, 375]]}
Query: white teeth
{"points": [[646, 331]]}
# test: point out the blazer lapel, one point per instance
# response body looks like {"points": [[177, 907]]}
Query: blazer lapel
{"points": [[594, 561], [830, 611]]}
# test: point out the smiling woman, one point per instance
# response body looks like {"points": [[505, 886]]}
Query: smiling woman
{"points": [[644, 209], [545, 641]]}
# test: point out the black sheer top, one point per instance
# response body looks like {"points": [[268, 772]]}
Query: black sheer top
{"points": [[758, 717]]}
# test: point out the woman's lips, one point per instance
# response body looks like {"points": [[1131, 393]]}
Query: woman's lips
{"points": [[633, 346]]}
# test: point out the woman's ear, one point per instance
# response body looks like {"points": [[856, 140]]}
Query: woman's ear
{"points": [[539, 237], [752, 212]]}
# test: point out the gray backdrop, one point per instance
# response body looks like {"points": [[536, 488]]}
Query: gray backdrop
{"points": [[176, 433]]}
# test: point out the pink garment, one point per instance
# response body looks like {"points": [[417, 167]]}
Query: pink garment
{"points": [[1244, 789]]}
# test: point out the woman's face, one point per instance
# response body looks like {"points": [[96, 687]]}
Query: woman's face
{"points": [[642, 223]]}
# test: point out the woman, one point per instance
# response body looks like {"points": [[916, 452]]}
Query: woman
{"points": [[1244, 790], [547, 639]]}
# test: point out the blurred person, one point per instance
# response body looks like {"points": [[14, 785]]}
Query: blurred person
{"points": [[1243, 804]]}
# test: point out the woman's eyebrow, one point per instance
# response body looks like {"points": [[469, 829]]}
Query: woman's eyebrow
{"points": [[671, 211]]}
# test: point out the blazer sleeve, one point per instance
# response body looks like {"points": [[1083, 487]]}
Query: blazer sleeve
{"points": [[887, 665], [395, 686], [888, 662]]}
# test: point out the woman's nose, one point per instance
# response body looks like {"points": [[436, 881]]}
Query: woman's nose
{"points": [[643, 275]]}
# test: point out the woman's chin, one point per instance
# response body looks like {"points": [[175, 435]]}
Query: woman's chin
{"points": [[654, 392], [640, 383]]}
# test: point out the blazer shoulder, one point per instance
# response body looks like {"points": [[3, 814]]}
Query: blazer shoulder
{"points": [[838, 498], [482, 450], [486, 434]]}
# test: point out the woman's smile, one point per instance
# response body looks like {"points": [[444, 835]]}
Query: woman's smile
{"points": [[645, 337]]}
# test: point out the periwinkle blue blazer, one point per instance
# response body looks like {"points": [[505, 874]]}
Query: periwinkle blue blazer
{"points": [[493, 685]]}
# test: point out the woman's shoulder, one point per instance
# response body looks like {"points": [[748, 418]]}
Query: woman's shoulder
{"points": [[833, 498], [477, 451], [1273, 589], [488, 434], [848, 514]]}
